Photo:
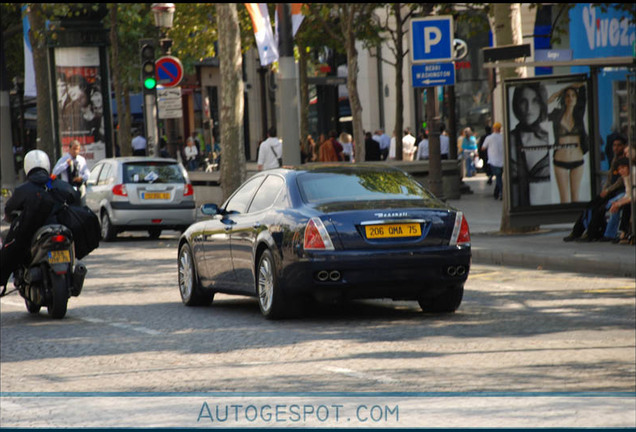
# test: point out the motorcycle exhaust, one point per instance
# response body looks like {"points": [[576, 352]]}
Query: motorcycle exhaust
{"points": [[78, 279]]}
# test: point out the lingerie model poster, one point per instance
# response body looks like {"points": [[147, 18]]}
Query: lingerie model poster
{"points": [[80, 103], [549, 141]]}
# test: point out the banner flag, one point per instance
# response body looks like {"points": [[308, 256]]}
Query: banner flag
{"points": [[267, 46], [30, 89], [296, 17]]}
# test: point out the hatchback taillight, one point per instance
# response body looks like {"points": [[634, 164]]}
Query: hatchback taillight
{"points": [[120, 190], [188, 190], [461, 233], [316, 236]]}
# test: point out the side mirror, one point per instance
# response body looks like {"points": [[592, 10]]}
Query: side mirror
{"points": [[209, 209]]}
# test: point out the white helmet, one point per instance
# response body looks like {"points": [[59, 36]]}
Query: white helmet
{"points": [[36, 159]]}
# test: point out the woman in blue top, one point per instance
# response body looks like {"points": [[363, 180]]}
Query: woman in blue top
{"points": [[469, 149]]}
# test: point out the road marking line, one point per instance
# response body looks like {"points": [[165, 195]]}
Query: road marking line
{"points": [[124, 326], [360, 375]]}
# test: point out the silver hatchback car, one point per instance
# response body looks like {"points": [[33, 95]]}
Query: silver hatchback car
{"points": [[140, 194]]}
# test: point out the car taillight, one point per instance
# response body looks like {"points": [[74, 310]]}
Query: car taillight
{"points": [[461, 232], [120, 190], [316, 236], [58, 238], [188, 190]]}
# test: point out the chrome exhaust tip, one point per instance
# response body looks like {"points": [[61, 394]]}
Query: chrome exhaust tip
{"points": [[334, 275], [322, 275]]}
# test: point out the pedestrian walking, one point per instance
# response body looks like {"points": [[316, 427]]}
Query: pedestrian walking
{"points": [[493, 145], [270, 151]]}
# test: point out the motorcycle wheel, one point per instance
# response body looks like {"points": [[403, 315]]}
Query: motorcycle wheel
{"points": [[59, 296], [32, 307]]}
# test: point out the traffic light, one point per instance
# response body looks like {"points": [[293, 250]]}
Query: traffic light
{"points": [[148, 77]]}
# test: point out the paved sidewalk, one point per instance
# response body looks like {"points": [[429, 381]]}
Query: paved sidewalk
{"points": [[544, 249]]}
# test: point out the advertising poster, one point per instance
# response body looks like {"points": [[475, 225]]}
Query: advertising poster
{"points": [[80, 103], [549, 141]]}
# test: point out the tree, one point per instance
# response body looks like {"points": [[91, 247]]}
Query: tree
{"points": [[231, 105], [37, 17], [505, 22], [350, 23], [395, 24], [122, 93]]}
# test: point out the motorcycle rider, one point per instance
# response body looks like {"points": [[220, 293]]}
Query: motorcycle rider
{"points": [[37, 205]]}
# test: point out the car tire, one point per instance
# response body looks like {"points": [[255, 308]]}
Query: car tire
{"points": [[446, 302], [192, 294], [270, 297], [154, 233], [109, 231]]}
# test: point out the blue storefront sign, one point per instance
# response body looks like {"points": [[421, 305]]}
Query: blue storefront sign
{"points": [[595, 34]]}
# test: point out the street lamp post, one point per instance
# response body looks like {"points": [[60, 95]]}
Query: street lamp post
{"points": [[164, 15]]}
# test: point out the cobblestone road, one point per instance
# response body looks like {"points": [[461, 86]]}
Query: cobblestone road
{"points": [[516, 331]]}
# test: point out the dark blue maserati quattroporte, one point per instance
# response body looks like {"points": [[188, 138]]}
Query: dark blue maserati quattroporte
{"points": [[329, 232]]}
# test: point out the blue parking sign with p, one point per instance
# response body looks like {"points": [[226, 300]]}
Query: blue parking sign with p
{"points": [[432, 39]]}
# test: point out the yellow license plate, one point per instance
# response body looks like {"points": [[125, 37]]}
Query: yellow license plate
{"points": [[56, 257], [155, 195], [393, 230]]}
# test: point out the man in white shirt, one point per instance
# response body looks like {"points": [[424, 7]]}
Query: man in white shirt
{"points": [[408, 145], [139, 145], [494, 145], [269, 151], [72, 168]]}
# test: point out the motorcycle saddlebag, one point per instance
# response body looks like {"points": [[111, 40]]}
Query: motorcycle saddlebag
{"points": [[85, 227]]}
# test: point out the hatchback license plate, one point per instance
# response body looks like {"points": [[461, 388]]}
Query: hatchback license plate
{"points": [[393, 231], [56, 257], [155, 195]]}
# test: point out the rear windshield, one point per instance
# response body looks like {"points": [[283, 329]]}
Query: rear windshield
{"points": [[372, 185], [153, 172]]}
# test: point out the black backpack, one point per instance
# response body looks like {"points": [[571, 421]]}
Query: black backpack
{"points": [[81, 220], [84, 225]]}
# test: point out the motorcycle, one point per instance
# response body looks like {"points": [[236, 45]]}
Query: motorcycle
{"points": [[53, 274]]}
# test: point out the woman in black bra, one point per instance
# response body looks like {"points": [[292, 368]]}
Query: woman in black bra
{"points": [[571, 140], [529, 147]]}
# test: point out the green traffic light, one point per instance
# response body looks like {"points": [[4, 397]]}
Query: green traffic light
{"points": [[150, 83]]}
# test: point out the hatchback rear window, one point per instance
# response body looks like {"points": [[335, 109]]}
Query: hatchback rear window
{"points": [[371, 185], [153, 172]]}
